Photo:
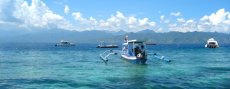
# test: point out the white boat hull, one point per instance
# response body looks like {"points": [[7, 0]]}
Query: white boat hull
{"points": [[134, 59]]}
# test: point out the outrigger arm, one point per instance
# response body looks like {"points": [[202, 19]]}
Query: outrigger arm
{"points": [[160, 57], [104, 56]]}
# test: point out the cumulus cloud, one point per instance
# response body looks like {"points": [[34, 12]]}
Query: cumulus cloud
{"points": [[175, 14], [34, 15], [162, 17], [21, 13], [215, 22], [77, 16], [160, 30], [132, 20], [181, 20], [228, 16], [205, 18], [66, 9], [218, 21], [184, 26], [6, 10], [218, 17], [115, 22]]}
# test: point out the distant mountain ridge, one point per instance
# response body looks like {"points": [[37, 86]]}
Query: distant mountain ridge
{"points": [[182, 38], [94, 36]]}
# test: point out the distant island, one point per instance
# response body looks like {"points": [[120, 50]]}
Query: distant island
{"points": [[93, 36]]}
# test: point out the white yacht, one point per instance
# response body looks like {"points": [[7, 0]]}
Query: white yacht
{"points": [[64, 43], [212, 43]]}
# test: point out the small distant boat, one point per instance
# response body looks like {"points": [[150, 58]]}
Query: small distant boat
{"points": [[103, 45], [212, 43], [64, 44]]}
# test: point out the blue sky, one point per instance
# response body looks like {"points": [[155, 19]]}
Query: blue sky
{"points": [[142, 8], [116, 15]]}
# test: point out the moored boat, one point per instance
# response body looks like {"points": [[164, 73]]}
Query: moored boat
{"points": [[103, 45], [64, 44], [134, 51], [212, 43]]}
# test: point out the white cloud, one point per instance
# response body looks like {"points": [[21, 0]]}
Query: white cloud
{"points": [[6, 10], [161, 30], [152, 24], [162, 17], [218, 22], [120, 15], [183, 28], [180, 20], [190, 21], [218, 17], [215, 22], [77, 16], [116, 22], [175, 14], [143, 21], [167, 21], [21, 13], [34, 15], [205, 18], [183, 25], [173, 25], [228, 16], [132, 20], [66, 9]]}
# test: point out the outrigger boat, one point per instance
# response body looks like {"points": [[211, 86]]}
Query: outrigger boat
{"points": [[133, 51]]}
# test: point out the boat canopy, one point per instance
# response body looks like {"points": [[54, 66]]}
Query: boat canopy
{"points": [[135, 41], [211, 40]]}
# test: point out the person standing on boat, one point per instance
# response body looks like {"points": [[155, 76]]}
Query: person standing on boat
{"points": [[126, 39], [143, 51], [137, 50]]}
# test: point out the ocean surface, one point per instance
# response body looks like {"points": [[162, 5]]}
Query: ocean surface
{"points": [[43, 66]]}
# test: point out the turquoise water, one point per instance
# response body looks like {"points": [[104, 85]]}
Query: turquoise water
{"points": [[44, 66]]}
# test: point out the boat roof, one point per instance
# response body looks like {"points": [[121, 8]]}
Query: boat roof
{"points": [[211, 40], [135, 41], [64, 41]]}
